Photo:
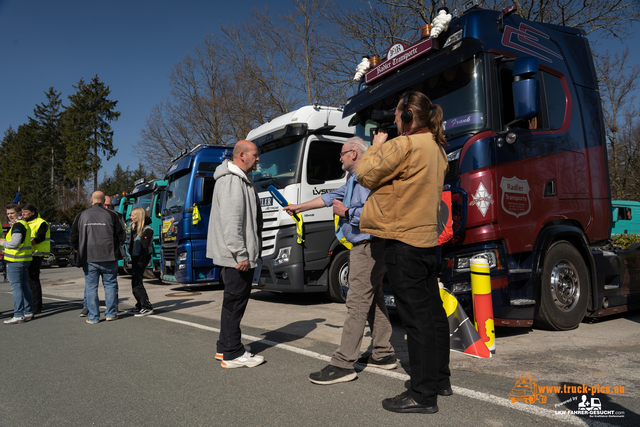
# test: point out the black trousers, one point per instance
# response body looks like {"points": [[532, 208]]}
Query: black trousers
{"points": [[137, 287], [237, 288], [34, 283], [413, 278]]}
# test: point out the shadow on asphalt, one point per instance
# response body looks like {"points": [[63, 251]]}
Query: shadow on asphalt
{"points": [[52, 308], [169, 305], [304, 299], [300, 329]]}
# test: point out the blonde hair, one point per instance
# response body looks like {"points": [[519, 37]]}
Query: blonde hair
{"points": [[141, 215]]}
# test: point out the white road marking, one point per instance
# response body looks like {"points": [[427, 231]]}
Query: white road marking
{"points": [[485, 397]]}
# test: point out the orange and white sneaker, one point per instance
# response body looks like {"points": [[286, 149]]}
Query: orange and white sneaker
{"points": [[220, 356], [247, 360]]}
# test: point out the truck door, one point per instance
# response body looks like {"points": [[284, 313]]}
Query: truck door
{"points": [[321, 173], [526, 172]]}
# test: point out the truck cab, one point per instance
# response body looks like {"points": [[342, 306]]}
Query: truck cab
{"points": [[527, 163], [149, 196], [60, 244], [625, 217], [185, 216], [299, 156]]}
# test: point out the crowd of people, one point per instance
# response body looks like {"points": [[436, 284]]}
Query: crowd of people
{"points": [[97, 236], [388, 212]]}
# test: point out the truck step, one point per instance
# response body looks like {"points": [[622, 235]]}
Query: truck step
{"points": [[521, 302]]}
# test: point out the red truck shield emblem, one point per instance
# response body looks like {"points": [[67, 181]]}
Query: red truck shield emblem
{"points": [[515, 196]]}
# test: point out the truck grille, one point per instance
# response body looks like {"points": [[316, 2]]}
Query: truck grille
{"points": [[452, 174], [269, 232]]}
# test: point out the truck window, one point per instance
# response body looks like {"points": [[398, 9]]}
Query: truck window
{"points": [[158, 205], [323, 163], [278, 162], [556, 100], [143, 202], [553, 100], [460, 92], [176, 192], [624, 213]]}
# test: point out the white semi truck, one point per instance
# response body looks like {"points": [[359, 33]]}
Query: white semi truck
{"points": [[300, 156]]}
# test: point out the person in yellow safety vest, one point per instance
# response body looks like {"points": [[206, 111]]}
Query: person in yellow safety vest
{"points": [[41, 247], [17, 256]]}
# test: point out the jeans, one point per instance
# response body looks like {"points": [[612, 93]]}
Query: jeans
{"points": [[413, 277], [237, 288], [109, 272], [365, 302], [18, 274]]}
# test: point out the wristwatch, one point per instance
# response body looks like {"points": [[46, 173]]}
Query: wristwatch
{"points": [[346, 214]]}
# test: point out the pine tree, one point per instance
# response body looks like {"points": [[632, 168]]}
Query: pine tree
{"points": [[88, 131]]}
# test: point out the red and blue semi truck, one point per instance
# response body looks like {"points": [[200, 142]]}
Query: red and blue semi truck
{"points": [[527, 164]]}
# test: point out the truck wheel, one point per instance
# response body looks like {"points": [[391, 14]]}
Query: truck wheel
{"points": [[148, 274], [565, 289], [339, 276]]}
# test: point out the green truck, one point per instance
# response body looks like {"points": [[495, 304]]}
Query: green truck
{"points": [[149, 196]]}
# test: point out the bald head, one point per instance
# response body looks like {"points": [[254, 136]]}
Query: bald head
{"points": [[97, 197], [242, 146], [245, 155]]}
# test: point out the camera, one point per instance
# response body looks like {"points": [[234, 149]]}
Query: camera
{"points": [[384, 117]]}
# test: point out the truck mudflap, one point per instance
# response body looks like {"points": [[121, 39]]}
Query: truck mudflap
{"points": [[512, 304]]}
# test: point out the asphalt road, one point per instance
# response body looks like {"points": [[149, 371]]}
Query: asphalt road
{"points": [[159, 370]]}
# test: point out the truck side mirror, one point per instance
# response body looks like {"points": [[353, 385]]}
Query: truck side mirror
{"points": [[198, 190], [202, 186], [526, 89]]}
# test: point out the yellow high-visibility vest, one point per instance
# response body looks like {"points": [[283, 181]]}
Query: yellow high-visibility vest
{"points": [[43, 248], [23, 253]]}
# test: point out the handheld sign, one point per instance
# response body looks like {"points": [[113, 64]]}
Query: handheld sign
{"points": [[281, 200]]}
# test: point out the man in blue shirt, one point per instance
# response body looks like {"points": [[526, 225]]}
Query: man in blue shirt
{"points": [[365, 300]]}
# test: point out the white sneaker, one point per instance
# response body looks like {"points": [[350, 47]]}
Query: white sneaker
{"points": [[14, 321], [220, 357], [247, 360]]}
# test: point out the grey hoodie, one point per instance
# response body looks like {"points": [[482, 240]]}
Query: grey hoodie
{"points": [[235, 223]]}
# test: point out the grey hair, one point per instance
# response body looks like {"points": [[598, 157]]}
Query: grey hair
{"points": [[358, 144]]}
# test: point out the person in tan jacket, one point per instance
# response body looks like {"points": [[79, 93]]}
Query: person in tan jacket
{"points": [[406, 175]]}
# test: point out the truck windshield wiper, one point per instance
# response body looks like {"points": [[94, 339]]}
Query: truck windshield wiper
{"points": [[270, 179]]}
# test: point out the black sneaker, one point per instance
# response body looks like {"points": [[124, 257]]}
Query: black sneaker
{"points": [[84, 312], [134, 310], [143, 312], [389, 362], [332, 374]]}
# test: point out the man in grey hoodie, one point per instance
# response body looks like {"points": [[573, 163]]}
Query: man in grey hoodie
{"points": [[233, 242]]}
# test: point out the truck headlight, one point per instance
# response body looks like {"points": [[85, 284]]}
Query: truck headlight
{"points": [[182, 256], [283, 256], [462, 263], [182, 266]]}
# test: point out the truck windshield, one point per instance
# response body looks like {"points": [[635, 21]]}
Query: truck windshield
{"points": [[459, 91], [278, 163], [61, 237], [143, 202], [176, 192]]}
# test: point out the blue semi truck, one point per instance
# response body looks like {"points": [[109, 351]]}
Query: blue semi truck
{"points": [[185, 216]]}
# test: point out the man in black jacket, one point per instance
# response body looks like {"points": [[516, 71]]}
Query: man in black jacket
{"points": [[97, 235]]}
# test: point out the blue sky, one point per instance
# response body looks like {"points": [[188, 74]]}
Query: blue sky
{"points": [[131, 45]]}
